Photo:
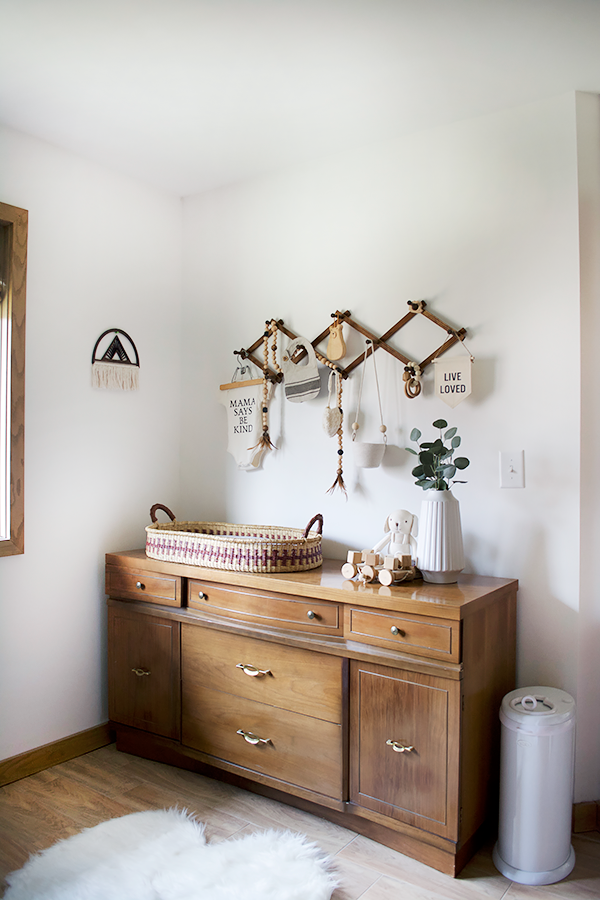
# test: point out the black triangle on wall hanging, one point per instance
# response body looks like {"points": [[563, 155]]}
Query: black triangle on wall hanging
{"points": [[114, 370]]}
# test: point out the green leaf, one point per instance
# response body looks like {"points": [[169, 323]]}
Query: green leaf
{"points": [[450, 434], [447, 452], [461, 462], [426, 445], [440, 423], [423, 483], [455, 442], [410, 450], [449, 471], [415, 434], [418, 471], [426, 457], [437, 447]]}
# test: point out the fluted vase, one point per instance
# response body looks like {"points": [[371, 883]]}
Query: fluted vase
{"points": [[440, 546]]}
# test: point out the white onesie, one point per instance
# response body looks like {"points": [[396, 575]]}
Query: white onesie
{"points": [[244, 423]]}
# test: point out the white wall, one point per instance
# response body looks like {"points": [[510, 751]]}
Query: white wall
{"points": [[481, 219], [588, 686], [104, 252]]}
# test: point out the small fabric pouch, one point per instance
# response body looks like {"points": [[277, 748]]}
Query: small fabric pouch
{"points": [[332, 416]]}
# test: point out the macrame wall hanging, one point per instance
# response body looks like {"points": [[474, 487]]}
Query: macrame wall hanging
{"points": [[114, 370]]}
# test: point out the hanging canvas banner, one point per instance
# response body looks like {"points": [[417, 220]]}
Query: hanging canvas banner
{"points": [[453, 379], [243, 402]]}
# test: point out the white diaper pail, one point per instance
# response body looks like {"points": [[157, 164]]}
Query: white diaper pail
{"points": [[536, 786]]}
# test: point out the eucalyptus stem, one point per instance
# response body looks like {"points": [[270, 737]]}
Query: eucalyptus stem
{"points": [[437, 464]]}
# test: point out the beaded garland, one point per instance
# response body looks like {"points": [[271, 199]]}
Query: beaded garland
{"points": [[270, 331], [265, 440], [339, 481]]}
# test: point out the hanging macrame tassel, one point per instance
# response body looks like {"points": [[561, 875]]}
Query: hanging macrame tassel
{"points": [[115, 376]]}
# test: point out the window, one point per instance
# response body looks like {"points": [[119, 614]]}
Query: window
{"points": [[13, 272]]}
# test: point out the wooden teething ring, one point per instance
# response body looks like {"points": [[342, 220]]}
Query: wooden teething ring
{"points": [[412, 383], [412, 388]]}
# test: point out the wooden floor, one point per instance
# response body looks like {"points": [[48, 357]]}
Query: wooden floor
{"points": [[41, 809]]}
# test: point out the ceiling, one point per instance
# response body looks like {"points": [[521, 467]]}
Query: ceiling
{"points": [[189, 95]]}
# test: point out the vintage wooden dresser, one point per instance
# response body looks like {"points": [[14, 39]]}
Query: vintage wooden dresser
{"points": [[375, 707]]}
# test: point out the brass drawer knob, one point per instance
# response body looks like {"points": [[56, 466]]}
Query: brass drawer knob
{"points": [[399, 747], [252, 670], [202, 595], [140, 586], [141, 672], [397, 631], [253, 738]]}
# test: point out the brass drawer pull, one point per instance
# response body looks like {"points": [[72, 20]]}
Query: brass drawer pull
{"points": [[141, 672], [202, 595], [253, 738], [399, 747], [140, 586], [312, 615], [397, 631], [252, 670]]}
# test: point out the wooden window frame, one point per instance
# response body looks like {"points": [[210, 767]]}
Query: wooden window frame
{"points": [[13, 226]]}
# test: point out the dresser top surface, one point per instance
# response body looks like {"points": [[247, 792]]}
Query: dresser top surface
{"points": [[453, 601]]}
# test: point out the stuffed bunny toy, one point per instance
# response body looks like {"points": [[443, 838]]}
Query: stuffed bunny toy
{"points": [[401, 528]]}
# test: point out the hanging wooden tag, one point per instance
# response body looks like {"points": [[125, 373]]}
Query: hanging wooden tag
{"points": [[453, 379], [336, 347]]}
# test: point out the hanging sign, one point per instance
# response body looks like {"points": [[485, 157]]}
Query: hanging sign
{"points": [[243, 405], [453, 379], [244, 401]]}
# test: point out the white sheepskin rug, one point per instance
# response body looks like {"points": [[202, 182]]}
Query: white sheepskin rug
{"points": [[163, 855]]}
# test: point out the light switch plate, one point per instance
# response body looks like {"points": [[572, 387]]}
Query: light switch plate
{"points": [[512, 469]]}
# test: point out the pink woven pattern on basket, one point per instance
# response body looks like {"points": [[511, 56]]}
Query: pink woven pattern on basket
{"points": [[239, 548]]}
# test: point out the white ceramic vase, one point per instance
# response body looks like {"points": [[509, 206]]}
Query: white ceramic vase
{"points": [[440, 552]]}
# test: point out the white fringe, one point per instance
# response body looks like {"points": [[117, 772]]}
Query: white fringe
{"points": [[115, 376]]}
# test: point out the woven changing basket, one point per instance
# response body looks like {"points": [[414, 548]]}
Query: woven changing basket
{"points": [[239, 548]]}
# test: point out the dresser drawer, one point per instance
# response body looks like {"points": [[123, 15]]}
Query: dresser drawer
{"points": [[129, 584], [420, 635], [292, 748], [265, 607], [286, 677]]}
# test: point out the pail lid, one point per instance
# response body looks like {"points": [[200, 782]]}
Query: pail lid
{"points": [[534, 708]]}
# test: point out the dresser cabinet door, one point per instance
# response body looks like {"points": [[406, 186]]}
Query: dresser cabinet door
{"points": [[144, 672], [404, 746]]}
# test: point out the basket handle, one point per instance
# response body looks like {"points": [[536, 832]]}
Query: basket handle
{"points": [[318, 518], [164, 508]]}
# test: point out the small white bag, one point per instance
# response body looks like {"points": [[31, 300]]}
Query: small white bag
{"points": [[332, 415], [368, 456], [301, 381]]}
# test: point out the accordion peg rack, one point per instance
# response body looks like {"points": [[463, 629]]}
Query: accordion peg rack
{"points": [[416, 307]]}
